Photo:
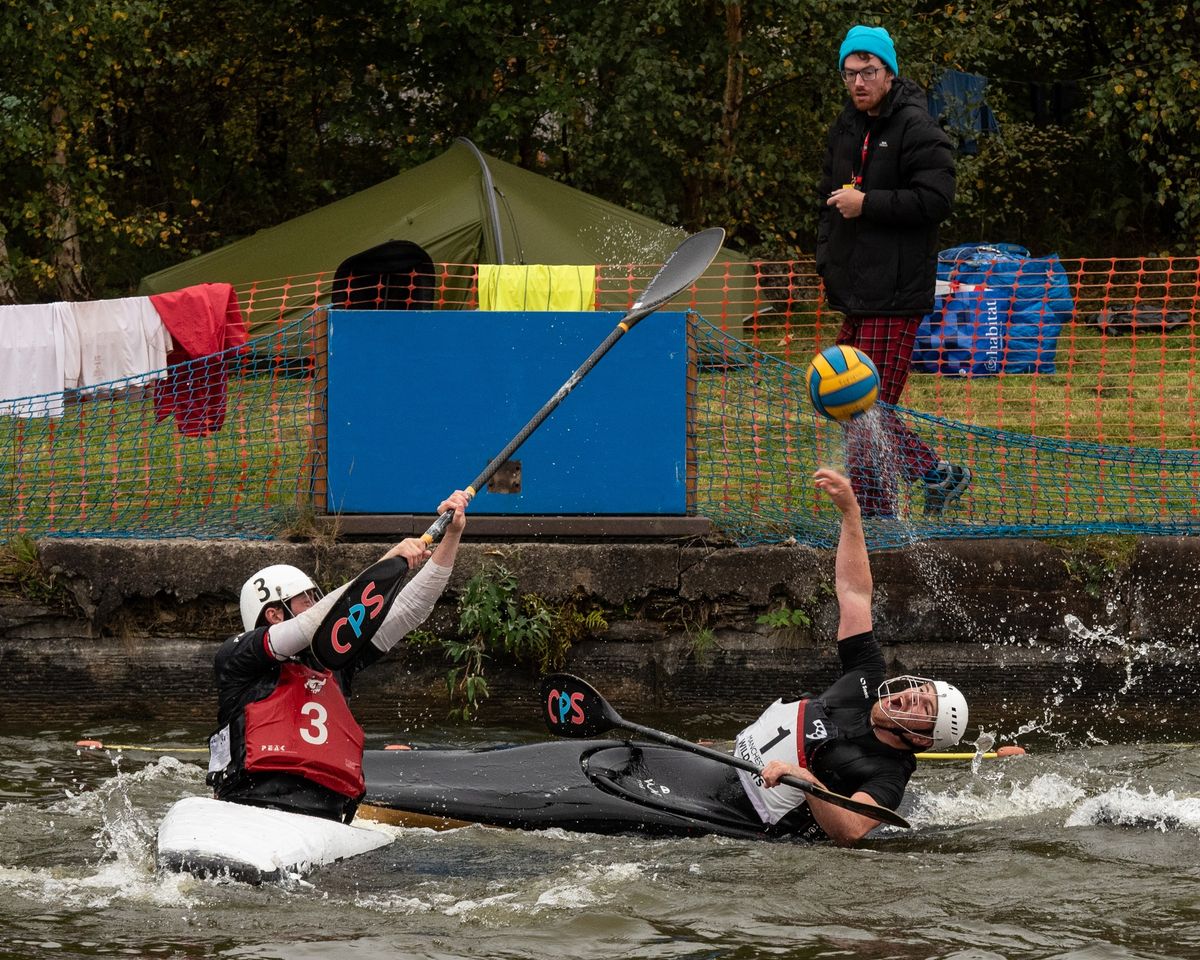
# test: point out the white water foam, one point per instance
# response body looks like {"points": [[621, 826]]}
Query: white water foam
{"points": [[1047, 791], [1126, 807], [99, 887], [576, 887], [594, 885]]}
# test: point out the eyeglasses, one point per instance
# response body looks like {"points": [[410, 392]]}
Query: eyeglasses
{"points": [[867, 73]]}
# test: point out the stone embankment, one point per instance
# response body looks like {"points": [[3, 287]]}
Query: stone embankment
{"points": [[127, 629]]}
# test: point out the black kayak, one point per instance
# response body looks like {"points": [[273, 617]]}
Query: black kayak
{"points": [[595, 786]]}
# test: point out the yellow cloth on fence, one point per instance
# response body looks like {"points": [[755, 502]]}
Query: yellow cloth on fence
{"points": [[511, 286]]}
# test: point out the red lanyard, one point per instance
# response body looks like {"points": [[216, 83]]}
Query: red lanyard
{"points": [[862, 160]]}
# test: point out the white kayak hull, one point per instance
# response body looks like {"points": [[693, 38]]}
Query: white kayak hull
{"points": [[208, 837]]}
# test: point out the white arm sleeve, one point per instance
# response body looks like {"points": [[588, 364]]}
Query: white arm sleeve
{"points": [[288, 638], [414, 604]]}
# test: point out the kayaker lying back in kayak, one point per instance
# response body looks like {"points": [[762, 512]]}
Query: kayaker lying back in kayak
{"points": [[857, 738], [286, 737]]}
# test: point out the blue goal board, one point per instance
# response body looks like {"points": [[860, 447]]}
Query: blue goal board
{"points": [[419, 402]]}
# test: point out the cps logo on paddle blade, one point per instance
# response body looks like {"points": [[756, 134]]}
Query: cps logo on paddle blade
{"points": [[368, 608], [565, 708]]}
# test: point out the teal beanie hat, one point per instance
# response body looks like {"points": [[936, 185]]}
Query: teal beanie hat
{"points": [[869, 40]]}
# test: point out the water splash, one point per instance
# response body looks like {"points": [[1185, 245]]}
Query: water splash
{"points": [[1127, 807], [1105, 644], [78, 879], [983, 744], [877, 470], [626, 243], [104, 841], [982, 801]]}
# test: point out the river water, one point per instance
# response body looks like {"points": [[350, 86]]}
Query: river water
{"points": [[1077, 850]]}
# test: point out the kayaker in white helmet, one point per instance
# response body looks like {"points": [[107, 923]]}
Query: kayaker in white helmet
{"points": [[859, 737], [286, 737]]}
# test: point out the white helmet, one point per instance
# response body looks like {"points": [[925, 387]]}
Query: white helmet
{"points": [[277, 583], [950, 722]]}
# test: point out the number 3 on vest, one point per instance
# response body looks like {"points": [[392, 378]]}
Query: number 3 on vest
{"points": [[316, 732]]}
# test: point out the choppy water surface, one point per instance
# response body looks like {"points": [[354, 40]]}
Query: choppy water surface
{"points": [[1087, 852]]}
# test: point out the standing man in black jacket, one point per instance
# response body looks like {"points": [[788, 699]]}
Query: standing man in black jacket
{"points": [[887, 182]]}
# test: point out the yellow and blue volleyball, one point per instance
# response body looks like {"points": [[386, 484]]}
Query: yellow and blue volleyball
{"points": [[843, 383]]}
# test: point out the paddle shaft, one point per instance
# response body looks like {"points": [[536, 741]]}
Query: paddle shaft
{"points": [[882, 814]]}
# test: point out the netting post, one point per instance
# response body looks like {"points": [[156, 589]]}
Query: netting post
{"points": [[691, 457], [316, 461]]}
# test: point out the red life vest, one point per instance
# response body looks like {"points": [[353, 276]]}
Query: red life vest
{"points": [[305, 727]]}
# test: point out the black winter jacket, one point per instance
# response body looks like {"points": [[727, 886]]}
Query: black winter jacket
{"points": [[884, 263]]}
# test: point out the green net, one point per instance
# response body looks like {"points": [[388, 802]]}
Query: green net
{"points": [[758, 442], [231, 445], [221, 446]]}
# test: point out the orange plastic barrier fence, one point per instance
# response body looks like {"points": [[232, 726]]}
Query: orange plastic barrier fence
{"points": [[108, 463], [1123, 365]]}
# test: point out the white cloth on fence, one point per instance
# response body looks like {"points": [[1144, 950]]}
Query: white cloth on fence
{"points": [[39, 348], [118, 340], [46, 348]]}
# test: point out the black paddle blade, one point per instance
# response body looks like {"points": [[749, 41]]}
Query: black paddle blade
{"points": [[574, 708], [682, 268], [356, 616]]}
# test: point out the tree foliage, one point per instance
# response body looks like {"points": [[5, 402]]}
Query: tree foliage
{"points": [[136, 132]]}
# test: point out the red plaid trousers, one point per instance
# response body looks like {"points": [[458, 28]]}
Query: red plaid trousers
{"points": [[888, 341]]}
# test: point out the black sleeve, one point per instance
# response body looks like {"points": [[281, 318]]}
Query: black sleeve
{"points": [[886, 788], [862, 653], [240, 663]]}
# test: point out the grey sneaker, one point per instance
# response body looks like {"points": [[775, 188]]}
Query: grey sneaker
{"points": [[944, 485]]}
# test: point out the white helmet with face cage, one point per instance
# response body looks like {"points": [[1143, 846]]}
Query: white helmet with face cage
{"points": [[950, 721], [277, 583]]}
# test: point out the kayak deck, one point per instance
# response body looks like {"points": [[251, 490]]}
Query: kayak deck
{"points": [[215, 838], [595, 786]]}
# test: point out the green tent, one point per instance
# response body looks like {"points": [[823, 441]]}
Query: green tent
{"points": [[461, 207]]}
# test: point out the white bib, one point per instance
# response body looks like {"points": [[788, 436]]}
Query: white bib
{"points": [[773, 736]]}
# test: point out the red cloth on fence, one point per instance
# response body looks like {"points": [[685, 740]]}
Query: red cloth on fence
{"points": [[203, 321]]}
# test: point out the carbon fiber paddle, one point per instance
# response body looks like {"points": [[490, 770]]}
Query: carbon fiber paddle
{"points": [[356, 615], [574, 708]]}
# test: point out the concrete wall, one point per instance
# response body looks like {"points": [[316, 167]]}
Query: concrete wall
{"points": [[144, 618]]}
